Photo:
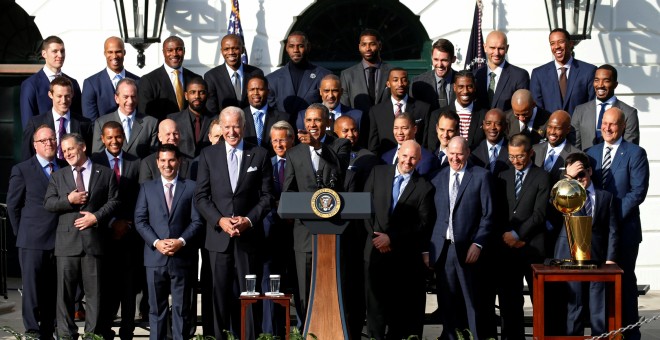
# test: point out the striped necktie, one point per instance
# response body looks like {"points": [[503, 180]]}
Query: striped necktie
{"points": [[549, 160], [519, 180], [607, 162]]}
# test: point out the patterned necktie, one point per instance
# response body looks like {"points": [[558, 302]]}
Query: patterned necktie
{"points": [[60, 133], [588, 206], [396, 190], [398, 111], [168, 196], [493, 158], [600, 119], [491, 88], [280, 172], [607, 161], [549, 160], [115, 168], [453, 193], [80, 183], [126, 124], [519, 180], [178, 89], [259, 125], [233, 169], [563, 81], [442, 94], [51, 167], [237, 85], [371, 83]]}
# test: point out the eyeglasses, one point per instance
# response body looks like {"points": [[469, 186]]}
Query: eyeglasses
{"points": [[45, 141], [517, 157]]}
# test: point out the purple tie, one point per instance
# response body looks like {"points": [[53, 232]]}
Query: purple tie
{"points": [[61, 132], [280, 172]]}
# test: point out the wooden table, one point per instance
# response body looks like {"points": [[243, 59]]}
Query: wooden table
{"points": [[283, 300], [609, 273]]}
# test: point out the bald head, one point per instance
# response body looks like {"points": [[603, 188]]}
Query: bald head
{"points": [[458, 153], [613, 126], [558, 127], [522, 105], [114, 52], [168, 132], [496, 46], [409, 154]]}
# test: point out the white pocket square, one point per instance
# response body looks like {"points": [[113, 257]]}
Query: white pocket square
{"points": [[252, 168]]}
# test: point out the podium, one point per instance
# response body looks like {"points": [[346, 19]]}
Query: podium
{"points": [[325, 311]]}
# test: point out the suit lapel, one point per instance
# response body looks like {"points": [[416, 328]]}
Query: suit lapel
{"points": [[248, 155], [467, 176], [305, 82], [541, 157], [501, 84], [410, 187], [166, 84], [620, 154], [93, 178], [39, 172], [228, 86], [573, 74], [178, 192]]}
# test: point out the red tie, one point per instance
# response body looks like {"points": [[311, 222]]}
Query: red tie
{"points": [[198, 128], [116, 170]]}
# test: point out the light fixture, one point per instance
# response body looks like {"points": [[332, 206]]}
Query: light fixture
{"points": [[140, 23], [575, 16]]}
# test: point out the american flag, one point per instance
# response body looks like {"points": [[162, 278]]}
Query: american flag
{"points": [[475, 57], [235, 27]]}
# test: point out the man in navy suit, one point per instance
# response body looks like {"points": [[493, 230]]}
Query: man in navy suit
{"points": [[331, 91], [228, 82], [497, 82], [234, 194], [161, 90], [588, 117], [193, 122], [394, 267], [60, 118], [464, 204], [381, 116], [167, 220], [604, 249], [98, 95], [34, 228], [405, 129], [436, 87], [622, 168], [565, 82], [296, 85], [34, 90], [259, 116], [363, 84]]}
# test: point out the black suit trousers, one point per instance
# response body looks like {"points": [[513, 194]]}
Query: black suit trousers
{"points": [[38, 275]]}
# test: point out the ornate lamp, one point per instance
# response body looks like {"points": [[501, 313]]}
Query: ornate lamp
{"points": [[140, 23], [575, 16]]}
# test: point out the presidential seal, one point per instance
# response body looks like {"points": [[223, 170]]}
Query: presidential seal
{"points": [[325, 203]]}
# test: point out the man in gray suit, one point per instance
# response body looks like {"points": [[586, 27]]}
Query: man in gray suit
{"points": [[140, 130], [588, 117], [364, 83], [435, 87], [84, 195]]}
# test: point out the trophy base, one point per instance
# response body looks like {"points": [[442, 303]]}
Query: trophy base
{"points": [[575, 264]]}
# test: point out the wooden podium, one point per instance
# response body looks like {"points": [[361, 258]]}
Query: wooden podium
{"points": [[325, 311]]}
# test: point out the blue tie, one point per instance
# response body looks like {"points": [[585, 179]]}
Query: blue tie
{"points": [[547, 165], [588, 206], [441, 154], [519, 180], [493, 156], [396, 188], [259, 125], [600, 119]]}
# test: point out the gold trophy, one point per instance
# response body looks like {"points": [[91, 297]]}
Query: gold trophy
{"points": [[568, 196]]}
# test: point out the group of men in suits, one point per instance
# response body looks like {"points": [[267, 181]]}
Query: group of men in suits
{"points": [[470, 157]]}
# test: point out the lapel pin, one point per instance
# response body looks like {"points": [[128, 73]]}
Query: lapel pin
{"points": [[313, 75]]}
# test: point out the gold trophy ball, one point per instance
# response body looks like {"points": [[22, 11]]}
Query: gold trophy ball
{"points": [[568, 196]]}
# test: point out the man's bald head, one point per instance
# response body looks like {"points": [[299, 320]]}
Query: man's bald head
{"points": [[345, 127], [168, 132], [521, 97], [522, 105], [409, 154], [558, 127]]}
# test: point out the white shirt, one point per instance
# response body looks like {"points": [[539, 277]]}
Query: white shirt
{"points": [[614, 147], [558, 149], [50, 74], [264, 109], [238, 153], [403, 101], [230, 71], [498, 147], [86, 173], [531, 121], [112, 74], [111, 159], [173, 182]]}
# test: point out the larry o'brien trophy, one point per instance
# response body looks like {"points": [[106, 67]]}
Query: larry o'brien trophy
{"points": [[568, 196], [326, 213]]}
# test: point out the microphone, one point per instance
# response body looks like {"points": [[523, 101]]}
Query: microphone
{"points": [[319, 179], [333, 179]]}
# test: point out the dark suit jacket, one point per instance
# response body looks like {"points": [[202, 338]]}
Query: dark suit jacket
{"points": [[408, 225], [282, 96], [426, 165], [128, 182], [144, 134], [98, 95], [253, 197], [629, 183], [538, 127], [221, 90], [299, 176], [584, 123], [472, 218], [545, 86], [250, 132], [511, 79], [604, 232], [102, 201], [345, 111], [185, 122], [479, 157], [33, 226], [558, 169], [359, 167], [475, 133], [381, 124], [149, 168], [34, 96], [424, 88], [78, 124], [526, 214], [154, 222], [156, 96], [354, 85]]}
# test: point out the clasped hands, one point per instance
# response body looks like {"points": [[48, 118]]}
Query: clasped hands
{"points": [[169, 246], [511, 241], [234, 225]]}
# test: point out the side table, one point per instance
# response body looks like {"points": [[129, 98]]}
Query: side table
{"points": [[283, 300]]}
